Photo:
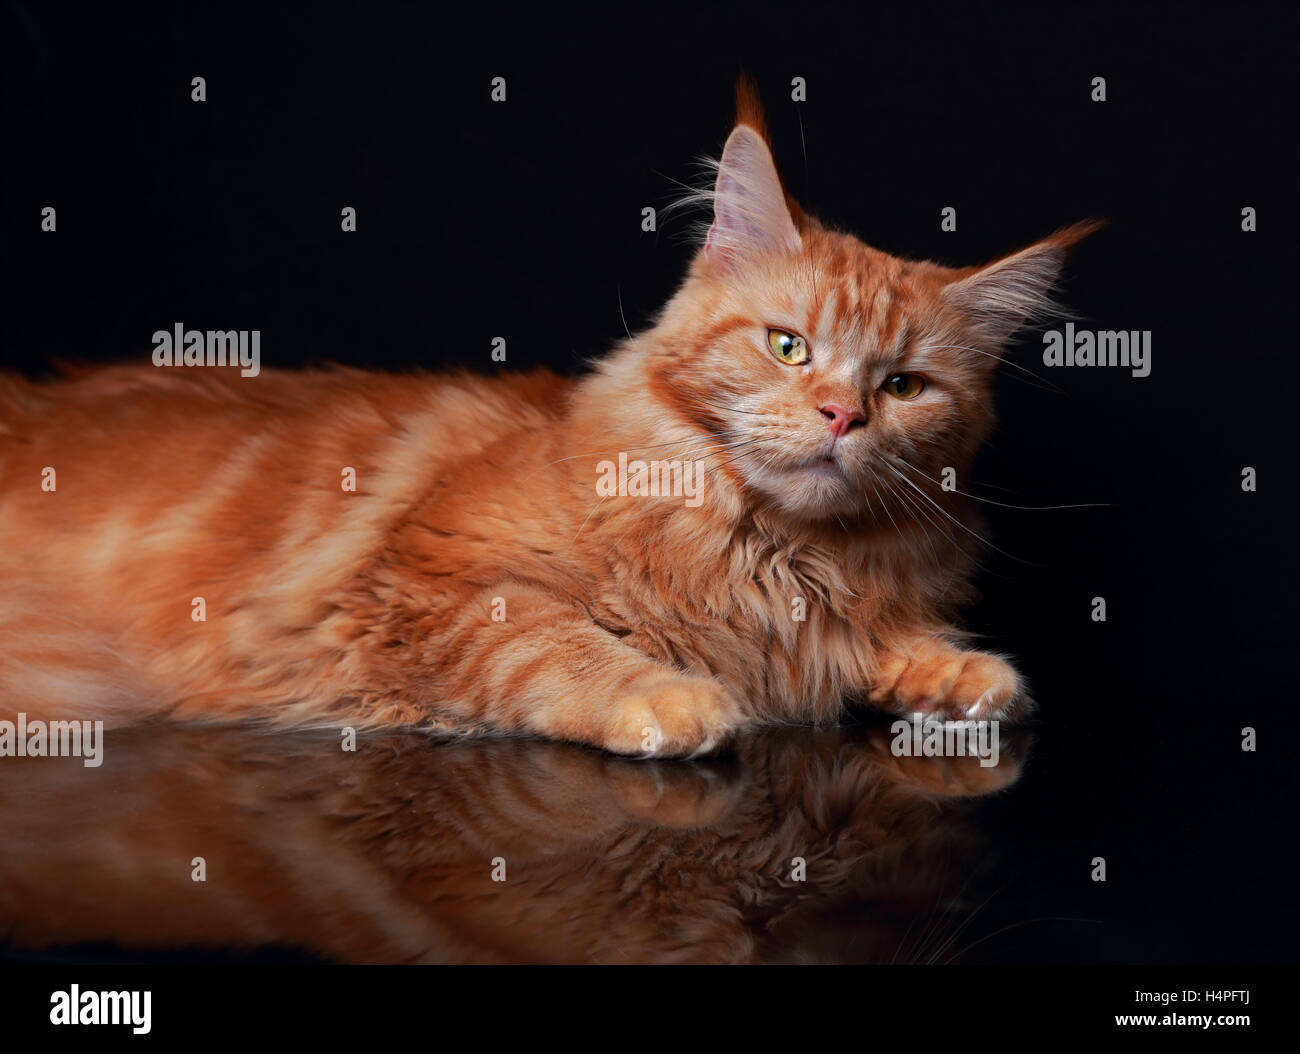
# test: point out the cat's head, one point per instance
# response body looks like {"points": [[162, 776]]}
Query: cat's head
{"points": [[827, 372]]}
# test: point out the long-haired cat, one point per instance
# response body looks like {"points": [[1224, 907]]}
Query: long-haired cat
{"points": [[188, 542]]}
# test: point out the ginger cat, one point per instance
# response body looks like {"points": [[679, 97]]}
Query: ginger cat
{"points": [[480, 575]]}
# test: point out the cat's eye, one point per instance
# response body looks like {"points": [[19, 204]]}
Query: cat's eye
{"points": [[904, 385], [791, 350]]}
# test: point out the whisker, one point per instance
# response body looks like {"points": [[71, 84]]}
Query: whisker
{"points": [[925, 519], [619, 291], [1015, 925], [974, 534], [969, 918], [1042, 382], [1003, 504]]}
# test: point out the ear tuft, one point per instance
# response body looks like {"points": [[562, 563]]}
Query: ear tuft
{"points": [[749, 107]]}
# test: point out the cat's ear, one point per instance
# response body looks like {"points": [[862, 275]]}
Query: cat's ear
{"points": [[999, 298], [751, 215]]}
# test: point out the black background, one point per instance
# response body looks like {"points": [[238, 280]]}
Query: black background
{"points": [[522, 220]]}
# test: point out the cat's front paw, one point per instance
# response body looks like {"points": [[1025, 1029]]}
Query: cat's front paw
{"points": [[947, 683], [673, 716]]}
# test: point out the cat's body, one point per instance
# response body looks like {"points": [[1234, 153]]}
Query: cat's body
{"points": [[477, 574], [317, 598]]}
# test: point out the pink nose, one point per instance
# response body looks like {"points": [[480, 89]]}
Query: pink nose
{"points": [[841, 420]]}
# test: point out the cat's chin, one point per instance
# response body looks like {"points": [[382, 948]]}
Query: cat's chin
{"points": [[812, 489], [811, 468], [825, 474]]}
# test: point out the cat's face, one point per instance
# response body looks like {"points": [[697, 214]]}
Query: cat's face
{"points": [[834, 371], [836, 380]]}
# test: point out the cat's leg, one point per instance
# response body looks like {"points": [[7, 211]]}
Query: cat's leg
{"points": [[543, 666], [929, 675]]}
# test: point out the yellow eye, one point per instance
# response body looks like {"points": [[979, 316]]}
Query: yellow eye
{"points": [[904, 386], [787, 347]]}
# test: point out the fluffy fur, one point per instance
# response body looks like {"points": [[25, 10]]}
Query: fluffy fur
{"points": [[637, 624]]}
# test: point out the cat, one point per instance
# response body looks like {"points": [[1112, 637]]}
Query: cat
{"points": [[179, 542], [500, 850]]}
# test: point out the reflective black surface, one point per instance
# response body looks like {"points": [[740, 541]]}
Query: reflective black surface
{"points": [[389, 854]]}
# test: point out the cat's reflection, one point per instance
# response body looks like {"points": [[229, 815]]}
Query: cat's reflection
{"points": [[395, 852]]}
